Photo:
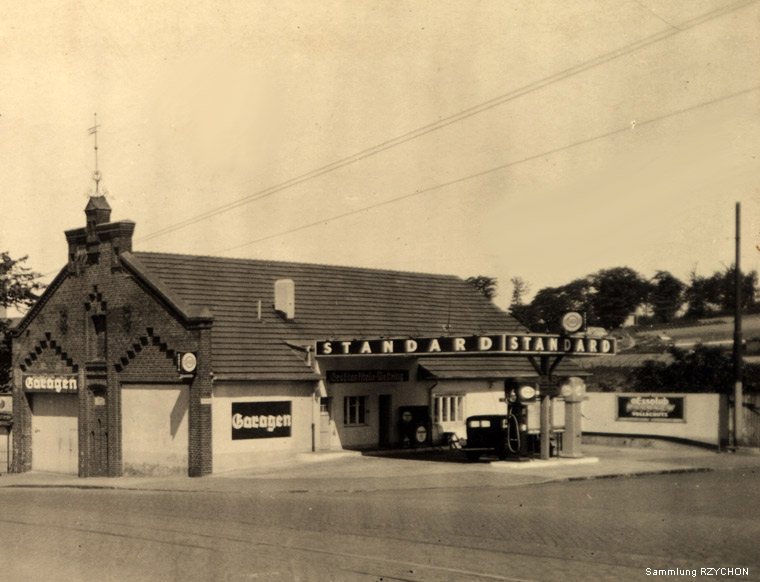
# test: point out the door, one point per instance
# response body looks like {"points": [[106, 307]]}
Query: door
{"points": [[325, 430], [55, 442], [385, 420], [99, 434]]}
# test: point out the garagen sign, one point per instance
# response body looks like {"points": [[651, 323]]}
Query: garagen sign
{"points": [[50, 382], [261, 420], [520, 344]]}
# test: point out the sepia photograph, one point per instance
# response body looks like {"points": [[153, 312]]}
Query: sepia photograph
{"points": [[380, 291]]}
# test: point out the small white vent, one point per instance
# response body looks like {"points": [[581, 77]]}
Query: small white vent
{"points": [[285, 298]]}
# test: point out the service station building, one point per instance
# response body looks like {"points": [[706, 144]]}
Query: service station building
{"points": [[147, 363]]}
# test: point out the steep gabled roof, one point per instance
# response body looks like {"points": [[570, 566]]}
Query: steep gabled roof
{"points": [[330, 302]]}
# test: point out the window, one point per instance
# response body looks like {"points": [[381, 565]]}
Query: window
{"points": [[354, 410], [448, 408], [98, 338]]}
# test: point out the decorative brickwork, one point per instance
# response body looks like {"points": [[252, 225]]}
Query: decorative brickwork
{"points": [[103, 322]]}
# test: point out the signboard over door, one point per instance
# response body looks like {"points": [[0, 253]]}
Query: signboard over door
{"points": [[49, 382]]}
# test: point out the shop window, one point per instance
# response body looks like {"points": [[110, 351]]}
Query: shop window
{"points": [[354, 410], [448, 408]]}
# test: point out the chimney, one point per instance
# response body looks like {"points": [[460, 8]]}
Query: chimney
{"points": [[285, 298], [98, 237]]}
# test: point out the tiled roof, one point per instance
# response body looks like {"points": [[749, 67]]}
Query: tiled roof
{"points": [[97, 203], [330, 302]]}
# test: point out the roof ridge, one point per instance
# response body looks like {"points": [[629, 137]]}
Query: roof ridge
{"points": [[252, 261]]}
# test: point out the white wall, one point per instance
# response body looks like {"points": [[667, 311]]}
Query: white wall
{"points": [[246, 453], [55, 433], [368, 434], [154, 428], [480, 397], [6, 448], [701, 418]]}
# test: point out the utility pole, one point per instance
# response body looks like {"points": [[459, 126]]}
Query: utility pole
{"points": [[738, 399]]}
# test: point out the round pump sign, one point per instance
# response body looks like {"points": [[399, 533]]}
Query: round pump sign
{"points": [[572, 321]]}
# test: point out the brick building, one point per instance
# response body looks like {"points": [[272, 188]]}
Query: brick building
{"points": [[137, 362]]}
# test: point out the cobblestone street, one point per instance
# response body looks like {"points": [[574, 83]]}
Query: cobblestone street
{"points": [[604, 529]]}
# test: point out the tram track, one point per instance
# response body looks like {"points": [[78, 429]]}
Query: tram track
{"points": [[310, 551]]}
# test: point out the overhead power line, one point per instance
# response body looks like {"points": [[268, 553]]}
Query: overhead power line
{"points": [[462, 115], [624, 129]]}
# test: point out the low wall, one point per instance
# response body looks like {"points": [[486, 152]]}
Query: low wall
{"points": [[701, 418]]}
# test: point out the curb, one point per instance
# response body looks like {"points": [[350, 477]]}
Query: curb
{"points": [[546, 479]]}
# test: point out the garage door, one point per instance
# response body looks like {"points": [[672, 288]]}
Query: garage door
{"points": [[55, 437], [154, 428]]}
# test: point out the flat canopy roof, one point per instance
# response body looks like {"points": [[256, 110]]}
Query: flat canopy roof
{"points": [[488, 368]]}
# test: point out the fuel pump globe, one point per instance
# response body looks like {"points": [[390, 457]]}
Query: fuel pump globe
{"points": [[526, 393]]}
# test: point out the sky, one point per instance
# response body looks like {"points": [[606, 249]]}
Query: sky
{"points": [[545, 140]]}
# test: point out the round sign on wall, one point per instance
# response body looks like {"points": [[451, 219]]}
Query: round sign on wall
{"points": [[189, 362], [406, 416]]}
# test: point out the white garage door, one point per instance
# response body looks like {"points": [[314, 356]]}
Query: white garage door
{"points": [[154, 428], [55, 436]]}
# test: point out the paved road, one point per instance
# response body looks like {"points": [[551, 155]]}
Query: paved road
{"points": [[607, 529]]}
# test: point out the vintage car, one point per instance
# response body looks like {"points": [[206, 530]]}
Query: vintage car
{"points": [[491, 434]]}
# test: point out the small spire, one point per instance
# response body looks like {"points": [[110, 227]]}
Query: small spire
{"points": [[96, 175]]}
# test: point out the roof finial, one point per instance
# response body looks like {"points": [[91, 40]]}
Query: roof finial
{"points": [[96, 175]]}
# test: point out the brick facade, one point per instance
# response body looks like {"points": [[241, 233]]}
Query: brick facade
{"points": [[100, 321]]}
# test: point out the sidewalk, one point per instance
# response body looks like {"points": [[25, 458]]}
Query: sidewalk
{"points": [[350, 472]]}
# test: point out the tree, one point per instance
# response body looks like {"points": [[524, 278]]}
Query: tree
{"points": [[519, 290], [666, 295], [706, 295], [618, 292], [723, 286], [517, 307], [18, 288], [486, 285], [703, 369], [551, 303], [697, 295]]}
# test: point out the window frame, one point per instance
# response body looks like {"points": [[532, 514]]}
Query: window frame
{"points": [[355, 407], [448, 408]]}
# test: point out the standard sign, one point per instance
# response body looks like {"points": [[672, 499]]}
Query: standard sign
{"points": [[528, 344], [261, 420], [50, 382]]}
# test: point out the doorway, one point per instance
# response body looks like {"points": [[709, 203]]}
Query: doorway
{"points": [[325, 404], [98, 433], [385, 420]]}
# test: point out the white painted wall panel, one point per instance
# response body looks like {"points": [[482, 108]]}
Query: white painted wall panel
{"points": [[154, 428], [232, 454], [701, 418]]}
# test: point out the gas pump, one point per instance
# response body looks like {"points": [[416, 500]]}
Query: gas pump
{"points": [[523, 417], [574, 392]]}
